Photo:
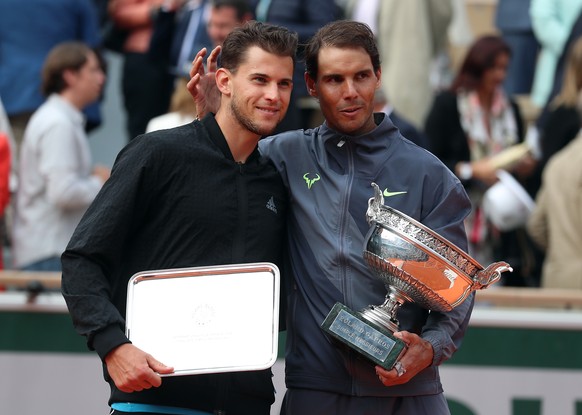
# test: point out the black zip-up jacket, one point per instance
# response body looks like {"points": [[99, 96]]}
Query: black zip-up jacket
{"points": [[176, 198]]}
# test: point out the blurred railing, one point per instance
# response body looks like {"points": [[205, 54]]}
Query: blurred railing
{"points": [[27, 279], [523, 297]]}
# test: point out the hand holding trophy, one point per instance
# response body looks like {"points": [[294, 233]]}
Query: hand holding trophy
{"points": [[416, 265]]}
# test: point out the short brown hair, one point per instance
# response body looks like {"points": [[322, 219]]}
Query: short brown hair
{"points": [[341, 34], [64, 56], [273, 39]]}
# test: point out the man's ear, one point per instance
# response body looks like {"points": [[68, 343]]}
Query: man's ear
{"points": [[379, 76], [223, 81], [69, 76], [310, 85]]}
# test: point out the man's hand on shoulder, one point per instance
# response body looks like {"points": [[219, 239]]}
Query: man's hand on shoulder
{"points": [[134, 370], [202, 84]]}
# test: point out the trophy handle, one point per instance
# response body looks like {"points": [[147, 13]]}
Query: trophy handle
{"points": [[374, 204], [490, 275]]}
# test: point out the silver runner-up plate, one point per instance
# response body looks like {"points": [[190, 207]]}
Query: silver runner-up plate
{"points": [[206, 319]]}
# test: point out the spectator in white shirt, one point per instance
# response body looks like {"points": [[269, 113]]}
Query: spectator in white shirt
{"points": [[57, 181]]}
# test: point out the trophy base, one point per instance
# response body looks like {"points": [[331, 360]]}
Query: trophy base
{"points": [[364, 336]]}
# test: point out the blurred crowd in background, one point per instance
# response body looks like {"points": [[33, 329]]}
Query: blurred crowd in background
{"points": [[501, 109]]}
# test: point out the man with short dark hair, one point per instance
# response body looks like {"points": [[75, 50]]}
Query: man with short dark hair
{"points": [[57, 179], [195, 195], [328, 172]]}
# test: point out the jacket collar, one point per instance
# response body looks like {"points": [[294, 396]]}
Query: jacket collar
{"points": [[72, 112], [378, 137], [217, 137]]}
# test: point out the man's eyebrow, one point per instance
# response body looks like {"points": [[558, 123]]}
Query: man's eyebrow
{"points": [[343, 75], [264, 75], [332, 75]]}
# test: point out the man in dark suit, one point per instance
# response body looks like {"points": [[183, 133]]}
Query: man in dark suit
{"points": [[179, 29], [184, 27]]}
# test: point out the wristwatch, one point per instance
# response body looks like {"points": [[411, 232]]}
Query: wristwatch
{"points": [[465, 171]]}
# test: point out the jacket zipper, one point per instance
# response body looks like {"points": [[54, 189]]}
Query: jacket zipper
{"points": [[238, 248], [344, 245]]}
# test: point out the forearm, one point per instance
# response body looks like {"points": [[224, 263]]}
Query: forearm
{"points": [[445, 331], [550, 32], [94, 279], [86, 292], [131, 14], [69, 191]]}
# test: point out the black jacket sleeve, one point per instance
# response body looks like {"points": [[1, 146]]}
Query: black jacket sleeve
{"points": [[93, 286]]}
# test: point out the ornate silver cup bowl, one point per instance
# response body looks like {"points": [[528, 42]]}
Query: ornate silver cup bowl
{"points": [[416, 264]]}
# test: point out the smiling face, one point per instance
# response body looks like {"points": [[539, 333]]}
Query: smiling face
{"points": [[257, 95], [345, 87]]}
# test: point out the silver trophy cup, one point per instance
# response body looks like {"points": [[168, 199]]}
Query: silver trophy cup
{"points": [[416, 265]]}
